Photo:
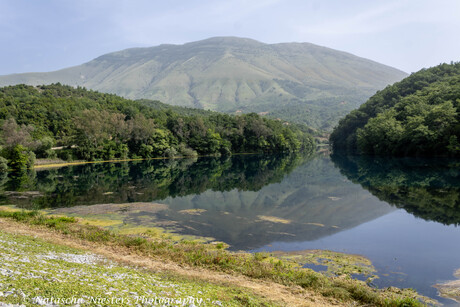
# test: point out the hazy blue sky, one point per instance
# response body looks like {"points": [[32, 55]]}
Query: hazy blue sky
{"points": [[52, 34]]}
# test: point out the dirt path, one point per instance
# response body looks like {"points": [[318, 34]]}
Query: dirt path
{"points": [[287, 296]]}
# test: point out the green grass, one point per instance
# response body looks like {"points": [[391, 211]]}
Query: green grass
{"points": [[34, 270], [258, 266]]}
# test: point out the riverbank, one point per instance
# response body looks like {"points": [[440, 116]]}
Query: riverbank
{"points": [[37, 272], [55, 163], [268, 279]]}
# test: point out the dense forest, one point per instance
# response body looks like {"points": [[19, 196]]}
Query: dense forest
{"points": [[419, 116], [88, 125]]}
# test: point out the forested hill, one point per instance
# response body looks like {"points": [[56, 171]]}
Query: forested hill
{"points": [[418, 116], [294, 81], [91, 125]]}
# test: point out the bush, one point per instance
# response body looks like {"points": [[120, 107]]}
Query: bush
{"points": [[187, 151], [18, 157], [171, 152], [65, 154], [50, 154], [44, 147], [30, 159], [3, 164]]}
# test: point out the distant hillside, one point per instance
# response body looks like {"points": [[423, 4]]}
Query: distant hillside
{"points": [[418, 116], [296, 81]]}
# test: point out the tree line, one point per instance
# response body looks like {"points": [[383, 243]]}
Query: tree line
{"points": [[89, 125]]}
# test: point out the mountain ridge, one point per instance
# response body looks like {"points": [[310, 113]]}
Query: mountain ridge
{"points": [[231, 74]]}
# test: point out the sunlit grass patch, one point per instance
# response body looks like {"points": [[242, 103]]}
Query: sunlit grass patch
{"points": [[102, 222], [9, 208], [337, 263], [192, 211], [273, 219]]}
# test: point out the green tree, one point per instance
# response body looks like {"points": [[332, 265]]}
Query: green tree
{"points": [[18, 157], [418, 116]]}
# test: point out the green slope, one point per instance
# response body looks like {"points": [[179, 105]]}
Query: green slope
{"points": [[296, 81], [418, 116]]}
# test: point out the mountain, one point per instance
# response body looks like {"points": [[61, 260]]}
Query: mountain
{"points": [[418, 116], [297, 81]]}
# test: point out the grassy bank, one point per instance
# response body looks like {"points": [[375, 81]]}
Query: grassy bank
{"points": [[35, 272], [215, 258]]}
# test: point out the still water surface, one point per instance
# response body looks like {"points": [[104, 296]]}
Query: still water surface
{"points": [[400, 213]]}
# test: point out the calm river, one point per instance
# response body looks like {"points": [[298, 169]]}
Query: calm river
{"points": [[402, 214]]}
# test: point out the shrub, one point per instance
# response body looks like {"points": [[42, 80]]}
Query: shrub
{"points": [[18, 158], [30, 159], [3, 165], [44, 147], [65, 154]]}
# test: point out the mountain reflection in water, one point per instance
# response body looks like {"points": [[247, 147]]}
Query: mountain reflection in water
{"points": [[284, 202], [244, 200]]}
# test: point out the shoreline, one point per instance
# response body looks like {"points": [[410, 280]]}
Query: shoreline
{"points": [[81, 162], [210, 261], [276, 294], [166, 282]]}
